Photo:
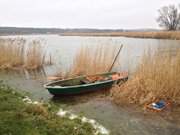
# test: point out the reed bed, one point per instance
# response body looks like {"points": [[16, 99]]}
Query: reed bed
{"points": [[91, 60], [16, 54], [35, 58], [157, 77], [157, 35], [175, 35], [11, 53]]}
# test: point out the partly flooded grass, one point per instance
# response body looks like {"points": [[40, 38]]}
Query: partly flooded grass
{"points": [[14, 54], [157, 77], [92, 60], [20, 118]]}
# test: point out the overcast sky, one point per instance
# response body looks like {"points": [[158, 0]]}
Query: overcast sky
{"points": [[114, 14]]}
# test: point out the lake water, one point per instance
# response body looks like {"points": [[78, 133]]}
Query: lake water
{"points": [[119, 120], [64, 48]]}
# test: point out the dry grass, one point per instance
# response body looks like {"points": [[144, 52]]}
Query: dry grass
{"points": [[11, 53], [14, 54], [35, 58], [92, 60], [155, 34], [158, 77]]}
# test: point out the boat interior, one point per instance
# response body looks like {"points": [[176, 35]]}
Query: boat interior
{"points": [[82, 80]]}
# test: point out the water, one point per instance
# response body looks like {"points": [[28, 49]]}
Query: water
{"points": [[120, 120], [127, 120], [64, 48]]}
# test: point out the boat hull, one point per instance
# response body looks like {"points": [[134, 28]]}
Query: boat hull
{"points": [[83, 88], [79, 90]]}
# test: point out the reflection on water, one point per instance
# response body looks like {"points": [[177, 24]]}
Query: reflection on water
{"points": [[27, 81], [120, 120], [82, 98], [26, 74]]}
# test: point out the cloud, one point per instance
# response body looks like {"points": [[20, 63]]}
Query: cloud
{"points": [[81, 13]]}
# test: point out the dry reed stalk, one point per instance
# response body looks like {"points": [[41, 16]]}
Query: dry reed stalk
{"points": [[154, 34], [35, 58], [14, 54], [11, 53], [158, 77], [92, 60]]}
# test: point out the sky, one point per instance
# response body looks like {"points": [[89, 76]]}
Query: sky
{"points": [[102, 14]]}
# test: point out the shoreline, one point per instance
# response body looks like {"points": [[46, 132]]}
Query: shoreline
{"points": [[166, 35], [171, 35], [20, 114]]}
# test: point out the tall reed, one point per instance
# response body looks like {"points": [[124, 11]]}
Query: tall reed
{"points": [[11, 53], [35, 58], [18, 54], [157, 77], [91, 60], [142, 34]]}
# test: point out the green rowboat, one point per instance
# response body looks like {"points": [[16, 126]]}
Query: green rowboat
{"points": [[81, 84]]}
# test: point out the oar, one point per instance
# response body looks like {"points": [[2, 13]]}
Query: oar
{"points": [[115, 58]]}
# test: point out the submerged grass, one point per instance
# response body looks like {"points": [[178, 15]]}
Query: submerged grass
{"points": [[92, 60], [157, 77], [19, 118], [14, 54]]}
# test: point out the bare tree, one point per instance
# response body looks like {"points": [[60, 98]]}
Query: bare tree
{"points": [[169, 17], [179, 19]]}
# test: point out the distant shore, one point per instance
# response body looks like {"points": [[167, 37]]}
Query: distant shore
{"points": [[174, 35]]}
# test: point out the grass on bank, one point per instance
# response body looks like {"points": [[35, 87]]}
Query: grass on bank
{"points": [[157, 77], [14, 54], [156, 34], [19, 118], [92, 60]]}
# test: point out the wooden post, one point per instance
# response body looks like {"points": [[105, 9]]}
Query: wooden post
{"points": [[115, 58]]}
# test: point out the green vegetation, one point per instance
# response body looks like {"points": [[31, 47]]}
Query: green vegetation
{"points": [[19, 118]]}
